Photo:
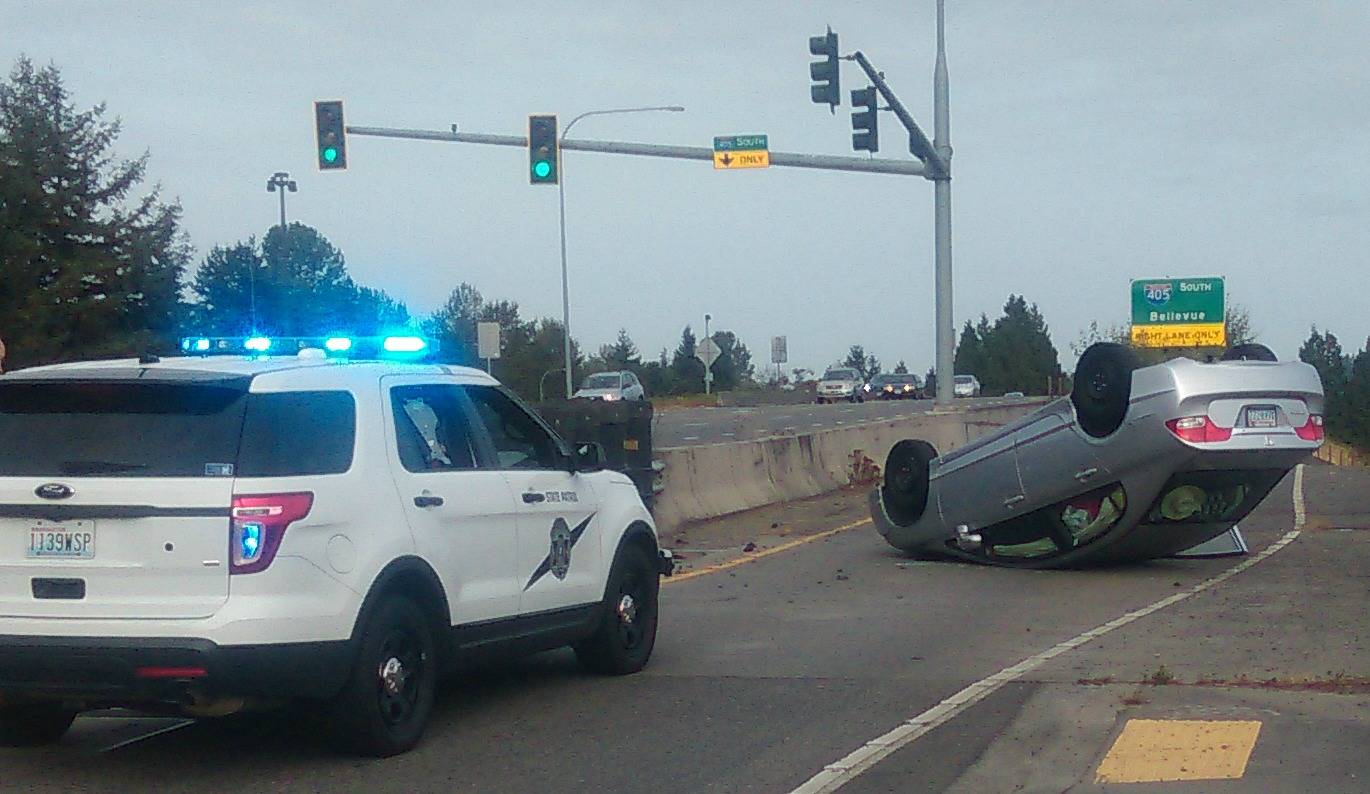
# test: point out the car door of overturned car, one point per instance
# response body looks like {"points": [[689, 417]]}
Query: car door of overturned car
{"points": [[992, 494]]}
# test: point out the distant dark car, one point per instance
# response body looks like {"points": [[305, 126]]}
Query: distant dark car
{"points": [[892, 387], [1138, 462]]}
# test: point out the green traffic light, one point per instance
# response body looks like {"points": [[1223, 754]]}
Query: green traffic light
{"points": [[542, 169], [330, 154]]}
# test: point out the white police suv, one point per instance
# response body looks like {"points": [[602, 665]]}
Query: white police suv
{"points": [[290, 524]]}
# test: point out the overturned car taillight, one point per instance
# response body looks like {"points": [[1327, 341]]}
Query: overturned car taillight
{"points": [[1312, 429], [1198, 430], [259, 522]]}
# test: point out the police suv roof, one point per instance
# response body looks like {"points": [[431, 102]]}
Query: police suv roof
{"points": [[293, 370]]}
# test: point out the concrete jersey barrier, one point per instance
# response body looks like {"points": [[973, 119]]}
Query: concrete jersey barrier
{"points": [[711, 480]]}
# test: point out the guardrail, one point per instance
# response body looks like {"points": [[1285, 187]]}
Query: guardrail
{"points": [[1339, 454], [711, 480]]}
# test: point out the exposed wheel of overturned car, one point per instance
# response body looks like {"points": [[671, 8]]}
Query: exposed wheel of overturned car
{"points": [[1103, 387], [1252, 351], [904, 494]]}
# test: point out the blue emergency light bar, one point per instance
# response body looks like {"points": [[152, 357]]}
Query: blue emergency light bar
{"points": [[395, 346]]}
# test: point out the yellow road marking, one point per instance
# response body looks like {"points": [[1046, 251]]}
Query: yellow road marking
{"points": [[1152, 751], [754, 556]]}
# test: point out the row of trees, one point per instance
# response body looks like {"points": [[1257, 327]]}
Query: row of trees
{"points": [[1346, 382]]}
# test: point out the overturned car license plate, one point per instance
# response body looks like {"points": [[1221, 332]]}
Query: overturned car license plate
{"points": [[1265, 416], [72, 540]]}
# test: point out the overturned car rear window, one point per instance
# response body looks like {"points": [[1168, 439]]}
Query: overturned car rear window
{"points": [[118, 429]]}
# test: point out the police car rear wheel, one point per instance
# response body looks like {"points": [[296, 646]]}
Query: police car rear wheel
{"points": [[384, 707], [33, 724], [623, 642]]}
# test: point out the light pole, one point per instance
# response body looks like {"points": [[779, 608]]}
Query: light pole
{"points": [[708, 366], [561, 199], [281, 182]]}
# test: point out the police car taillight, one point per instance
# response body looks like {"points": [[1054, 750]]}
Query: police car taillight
{"points": [[1312, 429], [258, 524], [1198, 430]]}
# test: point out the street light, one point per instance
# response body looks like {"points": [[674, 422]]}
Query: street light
{"points": [[541, 395], [281, 181], [561, 199]]}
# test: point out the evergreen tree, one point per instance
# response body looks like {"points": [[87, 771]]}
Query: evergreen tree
{"points": [[88, 268], [1355, 404], [970, 350], [687, 372], [901, 368], [868, 366], [733, 367], [1013, 354], [622, 354]]}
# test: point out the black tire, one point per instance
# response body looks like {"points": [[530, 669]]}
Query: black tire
{"points": [[904, 491], [384, 707], [623, 642], [33, 724], [1103, 387], [1251, 351]]}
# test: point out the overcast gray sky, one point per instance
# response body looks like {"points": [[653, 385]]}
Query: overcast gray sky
{"points": [[1095, 142]]}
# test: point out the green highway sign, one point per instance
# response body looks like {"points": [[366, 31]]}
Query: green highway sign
{"points": [[740, 143], [1179, 312]]}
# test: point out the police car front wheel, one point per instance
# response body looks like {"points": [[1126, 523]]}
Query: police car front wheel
{"points": [[623, 642]]}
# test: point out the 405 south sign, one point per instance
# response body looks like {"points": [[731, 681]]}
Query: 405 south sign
{"points": [[1179, 312]]}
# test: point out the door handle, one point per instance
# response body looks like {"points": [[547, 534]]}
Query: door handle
{"points": [[1085, 474], [533, 497], [428, 501], [1013, 500]]}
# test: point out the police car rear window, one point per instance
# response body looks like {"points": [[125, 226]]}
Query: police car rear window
{"points": [[294, 434], [159, 429], [125, 429]]}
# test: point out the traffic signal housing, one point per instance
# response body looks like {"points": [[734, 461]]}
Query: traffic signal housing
{"points": [[825, 89], [330, 135], [864, 123], [544, 156]]}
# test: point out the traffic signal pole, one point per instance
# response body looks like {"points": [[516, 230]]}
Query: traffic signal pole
{"points": [[941, 142], [936, 156], [782, 159]]}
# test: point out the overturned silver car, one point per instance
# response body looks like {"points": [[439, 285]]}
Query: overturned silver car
{"points": [[1139, 462]]}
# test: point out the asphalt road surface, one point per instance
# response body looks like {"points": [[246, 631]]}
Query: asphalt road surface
{"points": [[689, 426], [772, 668]]}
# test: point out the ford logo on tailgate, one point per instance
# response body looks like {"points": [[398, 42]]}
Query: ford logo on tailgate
{"points": [[54, 490]]}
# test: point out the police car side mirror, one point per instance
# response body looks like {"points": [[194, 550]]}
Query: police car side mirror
{"points": [[587, 457]]}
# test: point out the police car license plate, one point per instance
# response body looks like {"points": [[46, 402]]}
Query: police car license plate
{"points": [[67, 540], [1261, 417]]}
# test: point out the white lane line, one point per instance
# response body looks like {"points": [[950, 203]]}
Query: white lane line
{"points": [[840, 422], [817, 424], [835, 775], [695, 424], [729, 435], [791, 427], [691, 438], [146, 736]]}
